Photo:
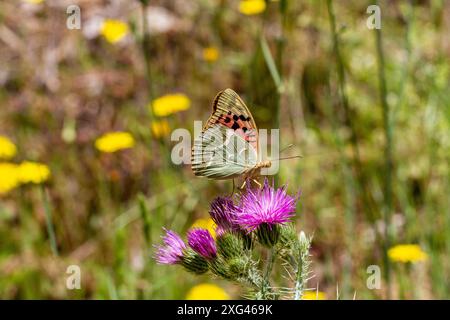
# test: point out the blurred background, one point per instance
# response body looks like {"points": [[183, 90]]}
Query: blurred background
{"points": [[86, 115]]}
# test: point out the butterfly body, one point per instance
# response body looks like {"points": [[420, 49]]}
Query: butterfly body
{"points": [[228, 145]]}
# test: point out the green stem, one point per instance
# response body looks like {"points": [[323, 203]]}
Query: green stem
{"points": [[276, 77], [266, 291], [303, 268], [387, 183], [356, 162], [48, 221], [145, 44], [143, 209], [348, 116]]}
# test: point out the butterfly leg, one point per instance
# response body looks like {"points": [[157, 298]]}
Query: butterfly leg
{"points": [[232, 191], [243, 185], [256, 181]]}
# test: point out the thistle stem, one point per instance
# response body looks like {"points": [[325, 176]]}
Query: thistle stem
{"points": [[253, 278], [266, 291]]}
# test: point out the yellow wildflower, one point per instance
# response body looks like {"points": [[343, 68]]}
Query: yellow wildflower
{"points": [[114, 141], [205, 223], [33, 172], [407, 253], [206, 291], [251, 7], [160, 128], [9, 179], [170, 103], [7, 148], [210, 54], [314, 295], [114, 30]]}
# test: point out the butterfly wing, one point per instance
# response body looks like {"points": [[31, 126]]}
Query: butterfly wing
{"points": [[220, 153], [228, 145], [230, 111]]}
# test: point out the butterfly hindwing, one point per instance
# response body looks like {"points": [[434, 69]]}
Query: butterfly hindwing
{"points": [[221, 153]]}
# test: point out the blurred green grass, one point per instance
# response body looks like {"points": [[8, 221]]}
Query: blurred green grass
{"points": [[109, 209]]}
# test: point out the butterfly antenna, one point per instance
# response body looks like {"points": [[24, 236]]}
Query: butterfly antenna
{"points": [[286, 158], [287, 147]]}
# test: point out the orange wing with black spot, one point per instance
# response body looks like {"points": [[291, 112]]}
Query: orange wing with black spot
{"points": [[229, 110]]}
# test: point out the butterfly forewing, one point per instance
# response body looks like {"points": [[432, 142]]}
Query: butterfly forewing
{"points": [[228, 145], [230, 111]]}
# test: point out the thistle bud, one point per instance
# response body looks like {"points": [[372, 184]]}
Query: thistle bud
{"points": [[302, 237], [247, 240], [304, 241], [193, 262], [229, 245], [202, 242], [172, 251], [220, 268], [288, 235], [238, 266], [268, 235]]}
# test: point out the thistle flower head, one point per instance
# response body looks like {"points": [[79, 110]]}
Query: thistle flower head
{"points": [[267, 206], [172, 250], [202, 242], [220, 231], [223, 211]]}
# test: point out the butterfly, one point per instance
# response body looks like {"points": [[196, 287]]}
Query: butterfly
{"points": [[228, 145]]}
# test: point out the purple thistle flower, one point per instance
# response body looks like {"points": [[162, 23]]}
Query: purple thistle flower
{"points": [[223, 213], [202, 242], [220, 231], [172, 250], [267, 206]]}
